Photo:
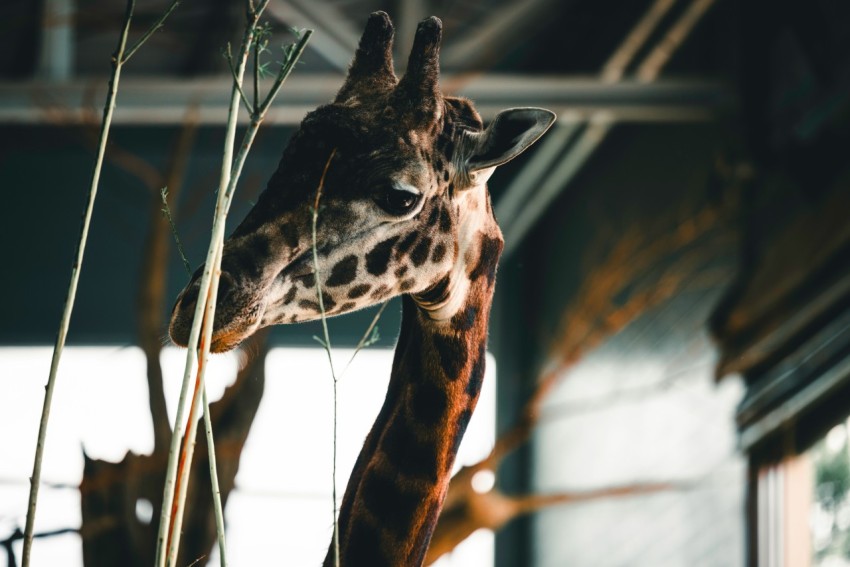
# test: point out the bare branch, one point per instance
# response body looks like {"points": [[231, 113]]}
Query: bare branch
{"points": [[594, 316], [150, 31], [327, 344], [151, 296], [640, 271], [108, 110], [237, 83], [493, 509], [200, 337]]}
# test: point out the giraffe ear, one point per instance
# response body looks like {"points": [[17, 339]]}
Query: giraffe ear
{"points": [[510, 134]]}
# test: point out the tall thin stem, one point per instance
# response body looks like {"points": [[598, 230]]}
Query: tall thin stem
{"points": [[208, 279], [216, 491], [150, 31], [327, 345], [285, 69], [185, 465], [366, 339], [118, 58], [174, 492]]}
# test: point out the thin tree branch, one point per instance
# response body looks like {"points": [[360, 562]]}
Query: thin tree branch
{"points": [[174, 492], [151, 30], [256, 77], [327, 344], [216, 490], [493, 509], [293, 55], [533, 502], [237, 82], [166, 210], [152, 289], [594, 316], [108, 110], [366, 339], [167, 544], [188, 449]]}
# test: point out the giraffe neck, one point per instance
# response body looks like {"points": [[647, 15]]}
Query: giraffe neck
{"points": [[400, 479]]}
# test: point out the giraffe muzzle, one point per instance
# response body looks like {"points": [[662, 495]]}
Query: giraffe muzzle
{"points": [[235, 320]]}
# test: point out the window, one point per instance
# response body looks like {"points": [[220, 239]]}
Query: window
{"points": [[281, 505], [804, 506]]}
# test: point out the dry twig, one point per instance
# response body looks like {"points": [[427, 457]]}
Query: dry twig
{"points": [[118, 59], [177, 473]]}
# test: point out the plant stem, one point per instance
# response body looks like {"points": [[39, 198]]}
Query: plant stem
{"points": [[256, 77], [327, 345], [365, 337], [237, 81], [151, 30], [192, 423], [285, 70], [172, 511], [216, 491], [109, 108], [166, 210], [208, 279]]}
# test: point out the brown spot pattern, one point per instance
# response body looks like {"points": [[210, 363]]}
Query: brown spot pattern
{"points": [[359, 291]]}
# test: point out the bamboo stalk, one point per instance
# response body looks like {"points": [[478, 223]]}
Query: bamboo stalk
{"points": [[327, 344], [163, 545], [238, 164], [366, 339], [120, 57], [174, 492], [150, 31], [165, 524], [216, 491], [185, 463]]}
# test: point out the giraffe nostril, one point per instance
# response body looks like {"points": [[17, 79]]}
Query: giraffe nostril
{"points": [[225, 287], [190, 297], [226, 284]]}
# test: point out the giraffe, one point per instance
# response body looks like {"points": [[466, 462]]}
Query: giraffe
{"points": [[404, 211]]}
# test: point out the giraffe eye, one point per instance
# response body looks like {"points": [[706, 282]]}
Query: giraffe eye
{"points": [[397, 199]]}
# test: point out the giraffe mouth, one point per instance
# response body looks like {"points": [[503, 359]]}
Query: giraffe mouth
{"points": [[300, 267], [245, 323], [233, 323], [228, 339]]}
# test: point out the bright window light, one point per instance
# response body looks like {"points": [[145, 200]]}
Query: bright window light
{"points": [[282, 503]]}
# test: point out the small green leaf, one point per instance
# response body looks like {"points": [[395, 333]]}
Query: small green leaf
{"points": [[374, 337]]}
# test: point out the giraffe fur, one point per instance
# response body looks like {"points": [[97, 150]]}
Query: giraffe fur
{"points": [[404, 210]]}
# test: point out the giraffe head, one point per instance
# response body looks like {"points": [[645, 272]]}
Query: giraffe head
{"points": [[403, 206]]}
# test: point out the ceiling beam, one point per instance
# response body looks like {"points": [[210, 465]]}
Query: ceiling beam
{"points": [[520, 220], [156, 101], [336, 37], [498, 34], [410, 13], [552, 146], [565, 169]]}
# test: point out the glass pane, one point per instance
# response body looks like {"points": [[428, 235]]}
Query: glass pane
{"points": [[281, 506], [829, 518]]}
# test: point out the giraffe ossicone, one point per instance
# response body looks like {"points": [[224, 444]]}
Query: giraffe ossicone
{"points": [[405, 211]]}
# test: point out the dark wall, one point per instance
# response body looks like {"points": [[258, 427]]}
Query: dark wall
{"points": [[46, 172]]}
